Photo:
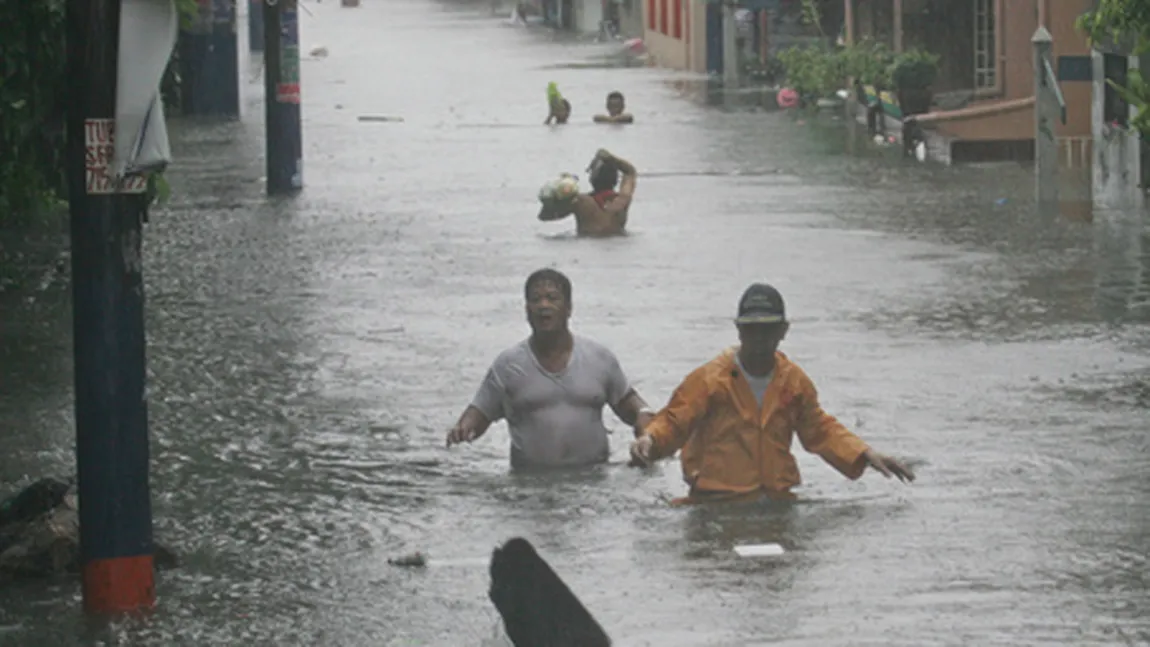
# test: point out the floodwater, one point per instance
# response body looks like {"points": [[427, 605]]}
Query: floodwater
{"points": [[308, 355]]}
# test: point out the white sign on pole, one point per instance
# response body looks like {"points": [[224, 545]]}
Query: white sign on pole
{"points": [[100, 148]]}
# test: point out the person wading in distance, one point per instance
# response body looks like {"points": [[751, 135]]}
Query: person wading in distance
{"points": [[616, 105], [603, 211]]}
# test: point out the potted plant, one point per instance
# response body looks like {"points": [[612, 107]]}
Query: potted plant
{"points": [[912, 75]]}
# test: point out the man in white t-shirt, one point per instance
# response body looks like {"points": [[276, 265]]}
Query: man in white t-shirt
{"points": [[552, 387]]}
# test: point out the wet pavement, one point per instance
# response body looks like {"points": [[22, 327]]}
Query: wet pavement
{"points": [[307, 357]]}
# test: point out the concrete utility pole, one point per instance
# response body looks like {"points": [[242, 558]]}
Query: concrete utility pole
{"points": [[730, 46], [282, 97], [1045, 142], [108, 325]]}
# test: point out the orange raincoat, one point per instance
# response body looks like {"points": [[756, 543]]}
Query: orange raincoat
{"points": [[732, 448]]}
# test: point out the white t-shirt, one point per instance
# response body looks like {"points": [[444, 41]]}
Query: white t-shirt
{"points": [[554, 418], [758, 383]]}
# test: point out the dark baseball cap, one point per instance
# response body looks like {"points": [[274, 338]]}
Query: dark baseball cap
{"points": [[761, 304]]}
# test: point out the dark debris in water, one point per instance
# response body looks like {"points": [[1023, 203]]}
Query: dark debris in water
{"points": [[412, 560]]}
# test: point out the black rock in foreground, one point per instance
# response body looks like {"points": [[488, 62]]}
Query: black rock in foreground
{"points": [[537, 608]]}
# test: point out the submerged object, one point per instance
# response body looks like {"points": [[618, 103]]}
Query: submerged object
{"points": [[413, 560], [537, 608], [385, 118], [759, 550]]}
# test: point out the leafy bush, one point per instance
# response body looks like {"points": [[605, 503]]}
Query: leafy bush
{"points": [[33, 99], [914, 70], [33, 92], [869, 62], [814, 72], [1125, 21], [1136, 92]]}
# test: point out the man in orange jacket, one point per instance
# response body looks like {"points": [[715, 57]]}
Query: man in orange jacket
{"points": [[734, 417]]}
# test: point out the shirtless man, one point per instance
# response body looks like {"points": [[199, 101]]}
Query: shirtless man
{"points": [[551, 388], [615, 108], [603, 212]]}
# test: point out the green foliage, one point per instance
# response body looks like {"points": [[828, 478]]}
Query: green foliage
{"points": [[820, 71], [1136, 93], [914, 70], [33, 99], [814, 72], [870, 62], [1120, 21], [811, 15], [158, 191], [1125, 22], [32, 107], [189, 11]]}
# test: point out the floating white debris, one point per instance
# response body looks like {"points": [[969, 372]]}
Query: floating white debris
{"points": [[461, 562], [759, 550], [920, 151]]}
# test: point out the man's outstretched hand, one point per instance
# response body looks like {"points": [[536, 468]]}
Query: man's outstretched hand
{"points": [[641, 451], [461, 433], [889, 466]]}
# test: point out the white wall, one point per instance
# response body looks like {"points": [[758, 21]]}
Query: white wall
{"points": [[1117, 164], [669, 51], [588, 15]]}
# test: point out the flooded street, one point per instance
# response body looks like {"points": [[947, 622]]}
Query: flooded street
{"points": [[308, 356]]}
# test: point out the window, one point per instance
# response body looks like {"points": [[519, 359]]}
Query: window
{"points": [[651, 15], [677, 19], [985, 46], [663, 17], [1114, 108]]}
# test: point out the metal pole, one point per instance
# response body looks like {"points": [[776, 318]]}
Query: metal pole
{"points": [[255, 25], [1045, 143], [282, 97], [730, 47], [108, 327]]}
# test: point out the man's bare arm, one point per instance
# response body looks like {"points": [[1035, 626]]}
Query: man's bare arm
{"points": [[622, 202], [472, 424], [629, 407], [630, 176], [617, 119], [633, 410]]}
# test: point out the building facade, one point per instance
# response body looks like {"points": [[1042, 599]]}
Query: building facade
{"points": [[985, 92]]}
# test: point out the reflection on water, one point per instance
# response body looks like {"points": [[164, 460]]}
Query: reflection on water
{"points": [[1122, 256], [307, 357]]}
